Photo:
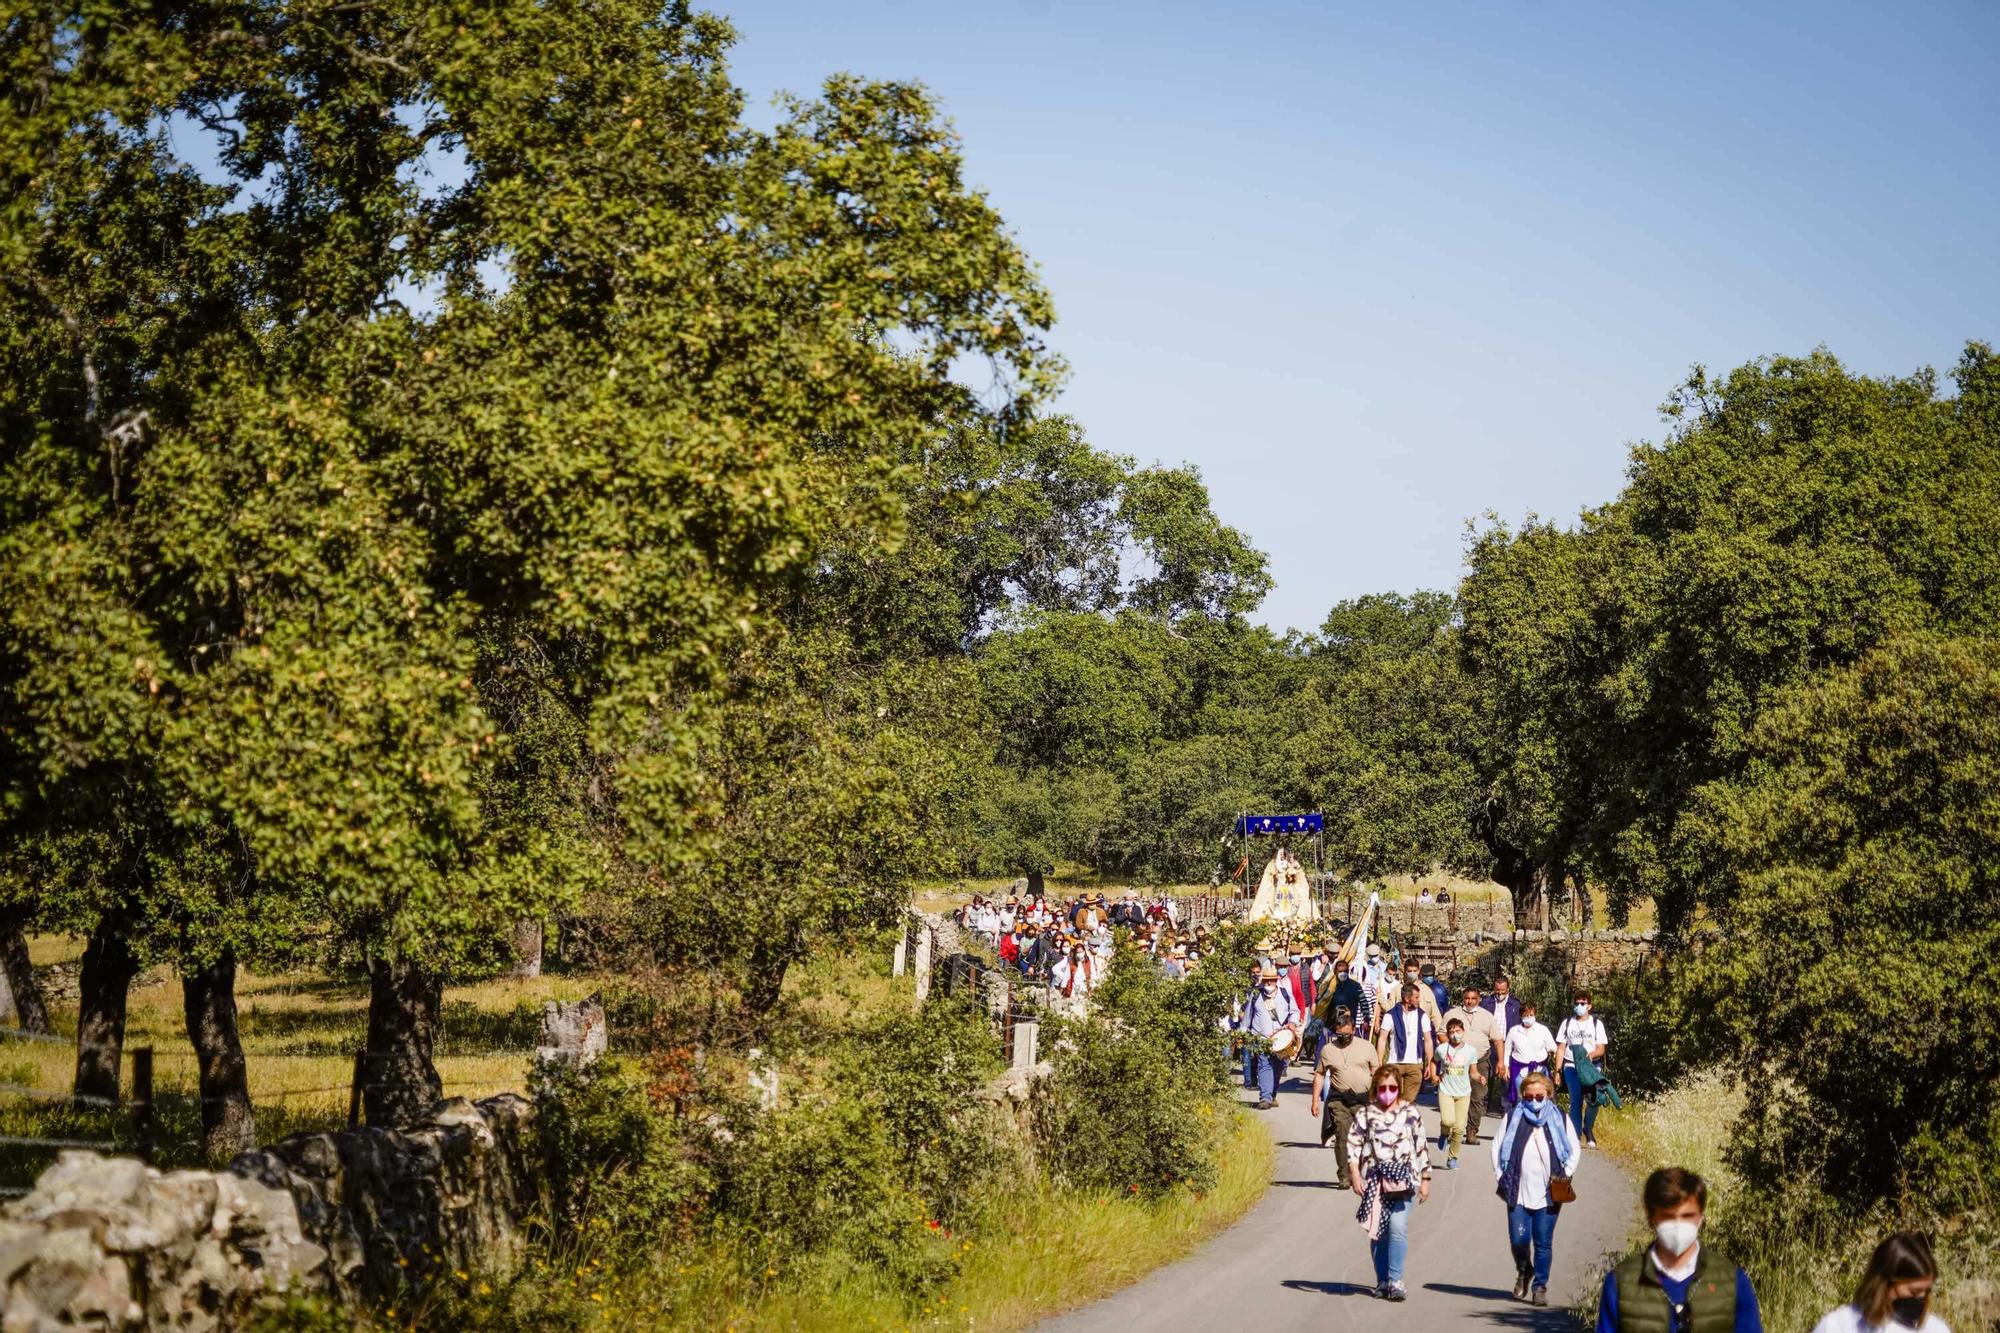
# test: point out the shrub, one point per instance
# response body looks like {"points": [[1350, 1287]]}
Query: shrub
{"points": [[614, 1161]]}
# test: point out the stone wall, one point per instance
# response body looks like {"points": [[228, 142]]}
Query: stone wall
{"points": [[111, 1243], [1584, 957]]}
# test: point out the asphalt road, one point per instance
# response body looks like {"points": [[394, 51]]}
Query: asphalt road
{"points": [[1299, 1260]]}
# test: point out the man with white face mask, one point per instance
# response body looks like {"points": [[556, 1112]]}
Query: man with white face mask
{"points": [[1269, 1009], [1676, 1283]]}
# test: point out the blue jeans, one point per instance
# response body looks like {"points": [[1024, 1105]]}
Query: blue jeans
{"points": [[1582, 1108], [1393, 1244], [1538, 1225], [1249, 1068], [1268, 1067]]}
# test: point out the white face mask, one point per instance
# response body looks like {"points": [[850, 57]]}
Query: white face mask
{"points": [[1676, 1236]]}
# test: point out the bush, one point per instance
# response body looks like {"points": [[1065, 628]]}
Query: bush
{"points": [[614, 1162], [1131, 1105]]}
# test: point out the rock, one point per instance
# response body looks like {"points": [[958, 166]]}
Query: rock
{"points": [[573, 1031], [110, 1243]]}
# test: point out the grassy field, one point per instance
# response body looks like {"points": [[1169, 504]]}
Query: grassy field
{"points": [[300, 1032]]}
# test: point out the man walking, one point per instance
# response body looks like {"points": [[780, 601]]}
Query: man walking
{"points": [[1506, 1011], [1481, 1037], [1346, 993], [1270, 1009], [1340, 1083], [1406, 1041]]}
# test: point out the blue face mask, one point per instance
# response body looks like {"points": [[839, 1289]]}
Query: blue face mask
{"points": [[1536, 1111]]}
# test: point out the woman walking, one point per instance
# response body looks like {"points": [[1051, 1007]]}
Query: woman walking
{"points": [[1389, 1166], [1580, 1047], [1533, 1159], [1895, 1292]]}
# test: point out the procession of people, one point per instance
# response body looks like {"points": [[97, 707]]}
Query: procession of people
{"points": [[1373, 1034]]}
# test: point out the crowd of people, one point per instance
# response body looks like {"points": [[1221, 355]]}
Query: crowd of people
{"points": [[1376, 1035], [1068, 943]]}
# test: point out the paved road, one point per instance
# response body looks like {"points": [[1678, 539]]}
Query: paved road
{"points": [[1298, 1259]]}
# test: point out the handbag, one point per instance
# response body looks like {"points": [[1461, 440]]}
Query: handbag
{"points": [[1561, 1190]]}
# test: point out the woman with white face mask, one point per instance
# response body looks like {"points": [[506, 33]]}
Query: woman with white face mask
{"points": [[1895, 1292], [1580, 1046], [1535, 1148], [1677, 1283]]}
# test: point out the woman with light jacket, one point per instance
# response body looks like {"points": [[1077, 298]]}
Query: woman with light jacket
{"points": [[1534, 1148]]}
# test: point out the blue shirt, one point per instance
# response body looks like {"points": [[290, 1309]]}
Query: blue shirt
{"points": [[1749, 1319]]}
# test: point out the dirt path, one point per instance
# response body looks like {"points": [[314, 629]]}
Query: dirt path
{"points": [[1299, 1260]]}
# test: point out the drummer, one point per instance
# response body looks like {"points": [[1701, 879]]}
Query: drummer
{"points": [[1272, 1014]]}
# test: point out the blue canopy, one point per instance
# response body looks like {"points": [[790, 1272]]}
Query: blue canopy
{"points": [[1246, 825]]}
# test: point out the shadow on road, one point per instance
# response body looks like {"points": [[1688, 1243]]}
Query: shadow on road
{"points": [[1545, 1319], [1476, 1293], [1307, 1184], [1329, 1288]]}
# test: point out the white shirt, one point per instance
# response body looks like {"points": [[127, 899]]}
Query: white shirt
{"points": [[1530, 1045], [1847, 1319], [1587, 1032], [1416, 1026], [1085, 973], [1534, 1171], [1681, 1271]]}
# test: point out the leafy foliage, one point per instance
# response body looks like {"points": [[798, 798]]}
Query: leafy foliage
{"points": [[1861, 844]]}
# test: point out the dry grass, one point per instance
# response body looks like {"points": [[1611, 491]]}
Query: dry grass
{"points": [[1055, 1250], [300, 1032], [1812, 1264]]}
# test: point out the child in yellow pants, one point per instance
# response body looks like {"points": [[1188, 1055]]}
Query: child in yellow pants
{"points": [[1454, 1076]]}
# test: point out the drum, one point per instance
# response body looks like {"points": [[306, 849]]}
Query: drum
{"points": [[1282, 1041]]}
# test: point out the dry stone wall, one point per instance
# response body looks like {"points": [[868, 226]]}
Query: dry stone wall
{"points": [[110, 1243]]}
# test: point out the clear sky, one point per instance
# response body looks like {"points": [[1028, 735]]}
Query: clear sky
{"points": [[1378, 269]]}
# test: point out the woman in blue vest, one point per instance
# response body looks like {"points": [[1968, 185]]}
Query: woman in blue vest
{"points": [[1536, 1147]]}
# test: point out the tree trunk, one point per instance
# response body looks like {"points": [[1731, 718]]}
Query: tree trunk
{"points": [[24, 988], [527, 947], [208, 995], [400, 1084], [108, 968]]}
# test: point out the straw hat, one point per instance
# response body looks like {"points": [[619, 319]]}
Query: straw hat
{"points": [[1269, 972]]}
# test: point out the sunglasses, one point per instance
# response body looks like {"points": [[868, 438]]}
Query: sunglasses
{"points": [[1534, 1099]]}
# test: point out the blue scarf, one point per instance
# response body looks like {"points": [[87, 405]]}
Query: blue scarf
{"points": [[1551, 1124]]}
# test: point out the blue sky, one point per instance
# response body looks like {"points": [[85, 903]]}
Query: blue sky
{"points": [[1380, 269]]}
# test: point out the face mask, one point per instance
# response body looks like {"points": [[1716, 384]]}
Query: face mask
{"points": [[1527, 1020], [1909, 1311], [1385, 1096], [1342, 1038], [1676, 1236], [1535, 1108], [1270, 988], [1458, 1039], [1582, 1009]]}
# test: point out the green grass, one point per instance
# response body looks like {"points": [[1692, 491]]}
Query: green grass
{"points": [[1035, 1252]]}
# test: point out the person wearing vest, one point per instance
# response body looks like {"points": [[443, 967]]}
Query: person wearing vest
{"points": [[1676, 1285], [1268, 1008], [1405, 1040], [1534, 1147]]}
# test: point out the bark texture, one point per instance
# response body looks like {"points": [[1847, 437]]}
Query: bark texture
{"points": [[108, 968], [400, 1084], [31, 1010], [208, 995]]}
